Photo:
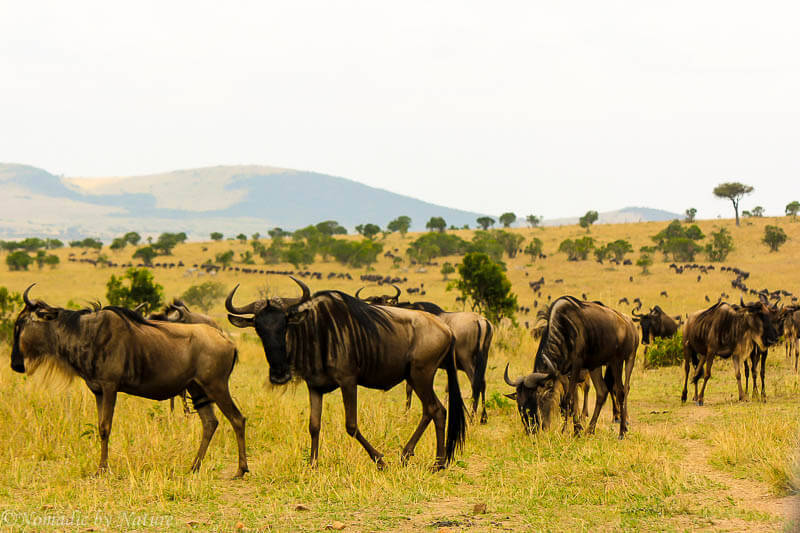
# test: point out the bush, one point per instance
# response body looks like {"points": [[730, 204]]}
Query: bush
{"points": [[774, 237], [720, 246], [534, 248], [146, 254], [665, 351], [216, 236], [204, 295], [224, 258], [578, 249], [356, 254], [18, 260], [141, 288], [484, 283], [436, 244]]}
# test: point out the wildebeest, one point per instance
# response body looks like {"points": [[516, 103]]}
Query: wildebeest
{"points": [[790, 325], [656, 323], [579, 336], [114, 349], [726, 331], [473, 334], [332, 340], [178, 311]]}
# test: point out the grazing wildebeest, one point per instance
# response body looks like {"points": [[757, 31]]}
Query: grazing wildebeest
{"points": [[579, 336], [114, 349], [656, 323], [473, 334], [332, 340], [726, 331]]}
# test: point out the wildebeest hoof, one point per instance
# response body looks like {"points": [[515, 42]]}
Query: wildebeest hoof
{"points": [[616, 420], [700, 403], [379, 462], [405, 456], [240, 473], [484, 418]]}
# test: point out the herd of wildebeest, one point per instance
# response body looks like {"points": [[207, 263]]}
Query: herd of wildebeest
{"points": [[332, 340]]}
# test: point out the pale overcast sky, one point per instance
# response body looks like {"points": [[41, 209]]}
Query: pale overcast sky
{"points": [[551, 108]]}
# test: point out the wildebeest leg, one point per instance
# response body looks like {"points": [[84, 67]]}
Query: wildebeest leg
{"points": [[601, 392], [210, 423], [737, 363], [220, 394], [618, 390], [172, 404], [350, 400], [574, 376], [705, 366], [763, 364], [409, 390], [106, 401], [747, 373], [686, 366], [484, 417], [626, 387], [432, 409], [314, 424], [585, 410]]}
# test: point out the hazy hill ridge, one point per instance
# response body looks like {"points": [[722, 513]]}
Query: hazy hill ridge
{"points": [[229, 199]]}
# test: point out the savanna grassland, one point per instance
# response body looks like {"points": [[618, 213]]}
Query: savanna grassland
{"points": [[727, 466]]}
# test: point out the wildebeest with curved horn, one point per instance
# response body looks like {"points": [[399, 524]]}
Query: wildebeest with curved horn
{"points": [[473, 334], [579, 336], [114, 350], [332, 340], [656, 323], [726, 331]]}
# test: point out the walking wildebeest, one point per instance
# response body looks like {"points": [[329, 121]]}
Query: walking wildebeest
{"points": [[332, 340], [579, 336], [656, 323], [114, 349], [473, 334], [726, 331]]}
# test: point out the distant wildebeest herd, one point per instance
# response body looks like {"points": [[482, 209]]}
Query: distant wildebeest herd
{"points": [[332, 340]]}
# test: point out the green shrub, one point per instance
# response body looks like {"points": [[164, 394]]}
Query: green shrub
{"points": [[665, 352], [10, 305], [141, 288], [204, 295]]}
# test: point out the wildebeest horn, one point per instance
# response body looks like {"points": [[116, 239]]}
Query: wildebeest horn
{"points": [[633, 312], [514, 383], [533, 379], [550, 364], [741, 301], [25, 297], [359, 292], [249, 309], [397, 295], [306, 290], [140, 308]]}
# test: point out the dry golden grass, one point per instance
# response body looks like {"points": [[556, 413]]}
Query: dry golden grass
{"points": [[725, 466]]}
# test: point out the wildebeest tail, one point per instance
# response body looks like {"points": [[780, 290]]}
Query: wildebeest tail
{"points": [[456, 418], [480, 358]]}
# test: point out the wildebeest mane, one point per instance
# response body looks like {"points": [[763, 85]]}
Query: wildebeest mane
{"points": [[558, 337], [337, 325], [428, 307]]}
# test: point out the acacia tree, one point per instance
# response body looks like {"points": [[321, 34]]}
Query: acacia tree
{"points": [[485, 222], [690, 214], [436, 224], [401, 224], [792, 209], [507, 219], [533, 220], [733, 191], [588, 219]]}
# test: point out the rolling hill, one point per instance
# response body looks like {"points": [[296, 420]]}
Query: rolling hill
{"points": [[228, 199]]}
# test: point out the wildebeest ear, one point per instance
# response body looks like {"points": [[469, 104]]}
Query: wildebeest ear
{"points": [[295, 317], [512, 396], [241, 322], [46, 314]]}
